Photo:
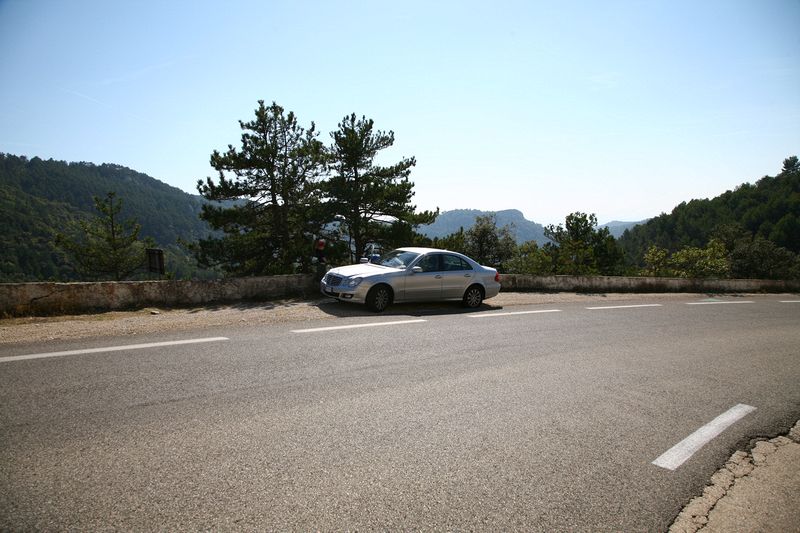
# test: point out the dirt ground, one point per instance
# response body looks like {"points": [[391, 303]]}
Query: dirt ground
{"points": [[151, 320]]}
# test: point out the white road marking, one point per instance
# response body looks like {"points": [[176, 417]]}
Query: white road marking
{"points": [[108, 349], [354, 326], [790, 301], [515, 313], [681, 452], [719, 303], [624, 306]]}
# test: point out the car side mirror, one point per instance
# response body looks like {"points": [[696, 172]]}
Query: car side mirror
{"points": [[416, 270], [364, 260]]}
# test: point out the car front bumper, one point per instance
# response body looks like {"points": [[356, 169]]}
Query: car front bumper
{"points": [[345, 294]]}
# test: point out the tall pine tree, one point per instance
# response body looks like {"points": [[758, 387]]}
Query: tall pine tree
{"points": [[370, 200], [271, 197]]}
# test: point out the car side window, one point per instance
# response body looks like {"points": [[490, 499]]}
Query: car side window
{"points": [[429, 263], [452, 262]]}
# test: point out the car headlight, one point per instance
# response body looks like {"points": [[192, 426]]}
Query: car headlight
{"points": [[353, 282]]}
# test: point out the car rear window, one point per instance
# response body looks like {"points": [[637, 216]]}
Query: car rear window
{"points": [[452, 262]]}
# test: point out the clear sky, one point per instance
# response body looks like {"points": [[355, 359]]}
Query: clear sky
{"points": [[619, 108]]}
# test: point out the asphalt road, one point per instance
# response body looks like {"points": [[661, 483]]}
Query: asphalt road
{"points": [[444, 420]]}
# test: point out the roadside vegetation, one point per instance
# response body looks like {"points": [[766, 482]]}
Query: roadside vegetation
{"points": [[282, 190], [106, 246], [290, 190]]}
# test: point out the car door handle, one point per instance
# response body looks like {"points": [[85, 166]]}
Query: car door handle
{"points": [[467, 275], [438, 276]]}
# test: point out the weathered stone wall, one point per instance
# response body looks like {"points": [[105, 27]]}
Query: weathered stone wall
{"points": [[20, 299], [521, 282]]}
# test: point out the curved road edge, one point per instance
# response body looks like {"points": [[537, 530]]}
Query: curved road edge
{"points": [[753, 491]]}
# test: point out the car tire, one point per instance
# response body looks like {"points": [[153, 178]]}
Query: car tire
{"points": [[473, 296], [379, 298]]}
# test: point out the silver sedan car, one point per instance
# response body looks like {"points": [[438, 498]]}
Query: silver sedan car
{"points": [[412, 274]]}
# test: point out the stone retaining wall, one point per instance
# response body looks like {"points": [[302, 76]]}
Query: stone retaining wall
{"points": [[600, 284], [20, 299]]}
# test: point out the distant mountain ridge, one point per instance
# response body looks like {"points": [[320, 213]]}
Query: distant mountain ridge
{"points": [[617, 228], [524, 230], [449, 222]]}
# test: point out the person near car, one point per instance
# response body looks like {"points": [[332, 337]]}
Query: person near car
{"points": [[319, 250]]}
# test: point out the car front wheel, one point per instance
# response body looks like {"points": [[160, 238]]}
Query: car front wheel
{"points": [[379, 298], [473, 297]]}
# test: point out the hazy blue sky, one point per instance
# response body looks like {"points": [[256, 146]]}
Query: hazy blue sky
{"points": [[619, 108]]}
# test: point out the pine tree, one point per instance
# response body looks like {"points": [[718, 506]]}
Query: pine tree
{"points": [[271, 203], [105, 247], [365, 197]]}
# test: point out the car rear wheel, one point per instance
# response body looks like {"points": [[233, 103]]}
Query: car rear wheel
{"points": [[379, 298], [473, 297]]}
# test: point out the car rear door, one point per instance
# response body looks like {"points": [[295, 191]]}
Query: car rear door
{"points": [[457, 275]]}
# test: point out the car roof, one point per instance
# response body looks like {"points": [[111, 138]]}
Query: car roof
{"points": [[421, 250]]}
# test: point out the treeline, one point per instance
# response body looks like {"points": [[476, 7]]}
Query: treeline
{"points": [[289, 190], [578, 247], [283, 190], [768, 209], [751, 232]]}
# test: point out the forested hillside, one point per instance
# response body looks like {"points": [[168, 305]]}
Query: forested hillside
{"points": [[39, 198], [768, 210]]}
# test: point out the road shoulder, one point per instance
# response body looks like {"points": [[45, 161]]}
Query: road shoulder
{"points": [[755, 491], [154, 320]]}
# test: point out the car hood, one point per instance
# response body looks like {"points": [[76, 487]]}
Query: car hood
{"points": [[360, 270]]}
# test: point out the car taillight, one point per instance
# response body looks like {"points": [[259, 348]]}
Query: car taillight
{"points": [[497, 277]]}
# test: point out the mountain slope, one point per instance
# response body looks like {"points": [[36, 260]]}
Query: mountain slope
{"points": [[770, 209], [38, 198]]}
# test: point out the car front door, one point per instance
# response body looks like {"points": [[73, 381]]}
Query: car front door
{"points": [[425, 285], [457, 275]]}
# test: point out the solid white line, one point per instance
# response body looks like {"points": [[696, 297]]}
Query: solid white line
{"points": [[354, 326], [624, 306], [515, 313], [678, 454], [108, 349], [719, 303]]}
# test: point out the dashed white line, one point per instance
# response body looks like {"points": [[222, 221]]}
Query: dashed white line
{"points": [[720, 303], [354, 326], [790, 301], [515, 313], [108, 349], [623, 306], [681, 452]]}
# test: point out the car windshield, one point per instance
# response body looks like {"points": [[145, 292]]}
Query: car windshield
{"points": [[397, 258]]}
